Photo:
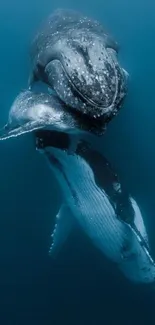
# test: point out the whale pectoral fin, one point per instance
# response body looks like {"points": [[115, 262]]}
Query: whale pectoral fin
{"points": [[138, 220], [126, 74], [64, 224]]}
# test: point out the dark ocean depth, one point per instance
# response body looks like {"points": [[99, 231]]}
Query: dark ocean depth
{"points": [[80, 287]]}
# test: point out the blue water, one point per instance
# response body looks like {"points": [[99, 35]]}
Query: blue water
{"points": [[79, 287]]}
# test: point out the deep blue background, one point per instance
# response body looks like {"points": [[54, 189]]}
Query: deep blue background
{"points": [[79, 287]]}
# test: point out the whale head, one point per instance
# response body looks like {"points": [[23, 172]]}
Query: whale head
{"points": [[32, 111], [76, 58]]}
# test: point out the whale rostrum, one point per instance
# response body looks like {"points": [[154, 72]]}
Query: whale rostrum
{"points": [[75, 56]]}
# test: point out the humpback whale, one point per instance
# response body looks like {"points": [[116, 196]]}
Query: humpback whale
{"points": [[33, 110], [76, 57], [93, 195]]}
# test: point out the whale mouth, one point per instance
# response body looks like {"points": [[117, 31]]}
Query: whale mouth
{"points": [[8, 132], [70, 92], [84, 97]]}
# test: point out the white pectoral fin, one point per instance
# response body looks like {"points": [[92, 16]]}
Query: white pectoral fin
{"points": [[139, 222], [64, 225], [140, 230], [126, 74]]}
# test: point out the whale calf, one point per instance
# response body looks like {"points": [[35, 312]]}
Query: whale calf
{"points": [[33, 110], [93, 195], [75, 56]]}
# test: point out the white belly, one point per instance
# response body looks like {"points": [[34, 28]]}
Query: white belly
{"points": [[94, 212]]}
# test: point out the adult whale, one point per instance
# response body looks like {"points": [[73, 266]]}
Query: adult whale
{"points": [[77, 58], [93, 195]]}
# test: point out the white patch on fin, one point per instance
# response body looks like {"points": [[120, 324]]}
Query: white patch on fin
{"points": [[62, 229], [126, 74], [139, 222], [142, 235]]}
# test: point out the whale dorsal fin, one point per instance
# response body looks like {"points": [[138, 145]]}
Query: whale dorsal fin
{"points": [[63, 226]]}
